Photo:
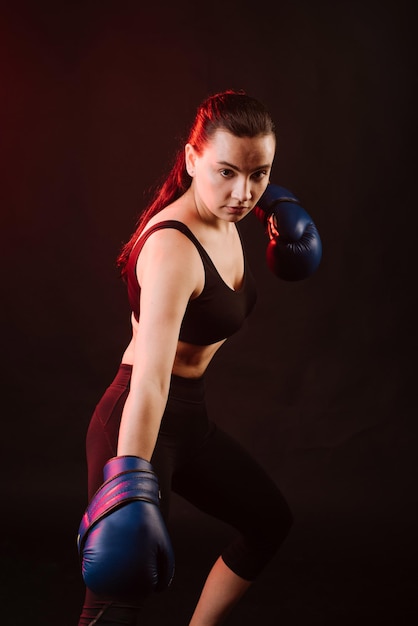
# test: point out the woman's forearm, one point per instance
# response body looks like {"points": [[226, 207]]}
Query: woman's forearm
{"points": [[140, 422]]}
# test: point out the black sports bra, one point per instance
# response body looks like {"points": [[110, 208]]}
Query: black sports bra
{"points": [[217, 312]]}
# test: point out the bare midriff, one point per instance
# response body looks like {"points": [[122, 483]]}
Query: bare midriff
{"points": [[190, 361]]}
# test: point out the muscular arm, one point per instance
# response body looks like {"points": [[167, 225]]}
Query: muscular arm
{"points": [[169, 271]]}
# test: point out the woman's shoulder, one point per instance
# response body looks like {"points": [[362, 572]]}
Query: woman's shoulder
{"points": [[174, 222], [168, 255], [168, 240]]}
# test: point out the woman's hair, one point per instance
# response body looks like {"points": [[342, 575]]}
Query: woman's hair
{"points": [[233, 111]]}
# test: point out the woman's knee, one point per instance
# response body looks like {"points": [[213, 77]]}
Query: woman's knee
{"points": [[274, 521]]}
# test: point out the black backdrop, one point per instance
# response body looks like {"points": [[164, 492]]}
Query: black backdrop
{"points": [[319, 385]]}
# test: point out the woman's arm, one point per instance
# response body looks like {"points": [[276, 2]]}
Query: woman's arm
{"points": [[170, 272]]}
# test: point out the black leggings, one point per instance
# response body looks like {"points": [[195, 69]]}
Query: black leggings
{"points": [[198, 461]]}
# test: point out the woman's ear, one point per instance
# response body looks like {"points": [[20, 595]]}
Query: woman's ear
{"points": [[190, 159]]}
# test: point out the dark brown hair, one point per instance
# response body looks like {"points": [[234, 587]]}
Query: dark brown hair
{"points": [[233, 111]]}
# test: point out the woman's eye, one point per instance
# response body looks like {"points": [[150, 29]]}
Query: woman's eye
{"points": [[226, 173], [260, 175]]}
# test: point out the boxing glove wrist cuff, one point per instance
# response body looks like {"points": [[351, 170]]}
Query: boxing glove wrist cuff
{"points": [[127, 478], [125, 463], [273, 195]]}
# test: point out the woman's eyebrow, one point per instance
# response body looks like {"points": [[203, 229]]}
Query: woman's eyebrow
{"points": [[235, 167]]}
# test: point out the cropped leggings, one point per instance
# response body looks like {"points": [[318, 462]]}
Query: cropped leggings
{"points": [[201, 463]]}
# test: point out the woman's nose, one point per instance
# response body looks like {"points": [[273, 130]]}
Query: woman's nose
{"points": [[242, 190]]}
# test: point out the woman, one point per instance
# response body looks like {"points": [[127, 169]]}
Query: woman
{"points": [[190, 288]]}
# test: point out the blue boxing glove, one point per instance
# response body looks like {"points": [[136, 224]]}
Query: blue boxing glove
{"points": [[123, 542], [295, 249]]}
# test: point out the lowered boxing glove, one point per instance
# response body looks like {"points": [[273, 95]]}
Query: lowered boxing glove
{"points": [[295, 247], [123, 542]]}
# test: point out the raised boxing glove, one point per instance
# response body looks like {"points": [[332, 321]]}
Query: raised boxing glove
{"points": [[295, 248], [123, 542]]}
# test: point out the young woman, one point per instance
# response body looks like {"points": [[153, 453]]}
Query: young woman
{"points": [[189, 288]]}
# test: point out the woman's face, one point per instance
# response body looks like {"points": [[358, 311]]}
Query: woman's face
{"points": [[231, 173]]}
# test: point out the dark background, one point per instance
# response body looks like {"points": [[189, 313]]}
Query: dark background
{"points": [[319, 385]]}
